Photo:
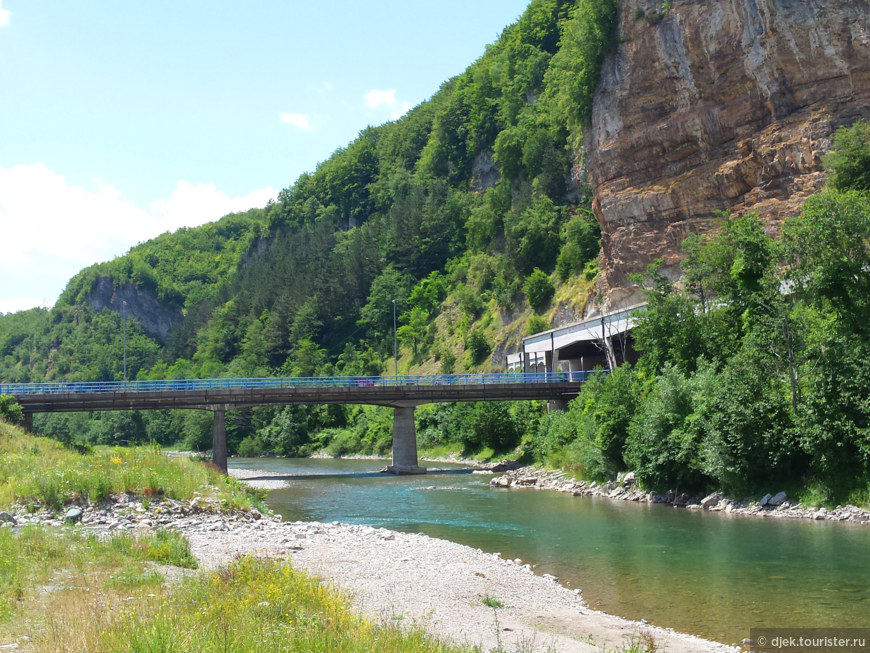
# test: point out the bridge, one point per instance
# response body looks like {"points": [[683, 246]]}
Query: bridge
{"points": [[402, 393]]}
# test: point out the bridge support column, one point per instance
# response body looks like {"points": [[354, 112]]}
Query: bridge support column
{"points": [[28, 422], [557, 404], [404, 443], [219, 444]]}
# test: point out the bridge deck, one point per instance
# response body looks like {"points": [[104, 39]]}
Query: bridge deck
{"points": [[207, 394]]}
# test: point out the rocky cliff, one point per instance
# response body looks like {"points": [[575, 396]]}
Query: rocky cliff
{"points": [[714, 105], [155, 318]]}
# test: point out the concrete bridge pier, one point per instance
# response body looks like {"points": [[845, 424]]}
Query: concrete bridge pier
{"points": [[219, 443], [28, 422], [404, 443]]}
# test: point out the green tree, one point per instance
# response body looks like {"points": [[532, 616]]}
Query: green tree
{"points": [[415, 329], [539, 290], [377, 314], [10, 411], [533, 237], [829, 250], [848, 163], [477, 346]]}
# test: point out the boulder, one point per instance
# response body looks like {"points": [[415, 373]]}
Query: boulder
{"points": [[8, 518], [73, 515], [711, 500], [630, 478], [765, 500], [778, 499]]}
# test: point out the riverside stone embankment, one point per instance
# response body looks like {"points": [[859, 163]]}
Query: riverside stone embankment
{"points": [[625, 489], [438, 584]]}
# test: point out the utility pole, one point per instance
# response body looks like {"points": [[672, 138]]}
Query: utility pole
{"points": [[124, 318], [395, 342]]}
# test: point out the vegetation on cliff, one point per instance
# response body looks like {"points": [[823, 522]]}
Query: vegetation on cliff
{"points": [[755, 369]]}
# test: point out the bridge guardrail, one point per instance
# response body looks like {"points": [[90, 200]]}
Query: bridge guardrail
{"points": [[277, 383]]}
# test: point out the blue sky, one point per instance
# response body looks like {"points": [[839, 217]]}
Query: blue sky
{"points": [[122, 120]]}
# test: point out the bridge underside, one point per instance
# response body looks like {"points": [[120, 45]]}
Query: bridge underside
{"points": [[403, 399]]}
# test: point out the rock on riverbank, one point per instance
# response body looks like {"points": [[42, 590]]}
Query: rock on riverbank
{"points": [[626, 489]]}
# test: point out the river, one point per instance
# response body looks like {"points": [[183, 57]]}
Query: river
{"points": [[704, 573]]}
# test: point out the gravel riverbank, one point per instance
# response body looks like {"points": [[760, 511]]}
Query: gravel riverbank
{"points": [[438, 584], [776, 506]]}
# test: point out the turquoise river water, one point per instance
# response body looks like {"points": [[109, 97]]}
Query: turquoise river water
{"points": [[705, 573]]}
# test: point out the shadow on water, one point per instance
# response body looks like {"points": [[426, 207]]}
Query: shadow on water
{"points": [[310, 477]]}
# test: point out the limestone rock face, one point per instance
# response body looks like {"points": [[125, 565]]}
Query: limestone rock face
{"points": [[717, 105], [155, 318]]}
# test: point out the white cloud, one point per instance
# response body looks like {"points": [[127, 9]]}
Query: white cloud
{"points": [[297, 120], [4, 15], [51, 229], [376, 99], [191, 205]]}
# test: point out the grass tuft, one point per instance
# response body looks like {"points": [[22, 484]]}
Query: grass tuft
{"points": [[491, 602], [41, 470], [72, 592]]}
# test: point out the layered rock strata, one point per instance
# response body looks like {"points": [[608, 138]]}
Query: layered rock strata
{"points": [[717, 105]]}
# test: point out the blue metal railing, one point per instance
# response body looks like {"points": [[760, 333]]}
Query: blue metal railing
{"points": [[276, 383]]}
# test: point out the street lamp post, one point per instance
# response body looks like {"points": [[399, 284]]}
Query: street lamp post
{"points": [[124, 317], [395, 342]]}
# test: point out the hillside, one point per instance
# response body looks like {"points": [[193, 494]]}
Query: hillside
{"points": [[448, 209]]}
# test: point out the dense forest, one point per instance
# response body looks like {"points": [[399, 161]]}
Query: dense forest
{"points": [[472, 212]]}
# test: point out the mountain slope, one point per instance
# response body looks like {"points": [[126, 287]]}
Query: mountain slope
{"points": [[459, 200]]}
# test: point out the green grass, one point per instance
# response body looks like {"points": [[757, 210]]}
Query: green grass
{"points": [[491, 602], [39, 557], [41, 470], [71, 592]]}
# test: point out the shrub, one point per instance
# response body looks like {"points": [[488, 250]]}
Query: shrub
{"points": [[849, 161], [251, 447], [664, 443], [536, 324], [10, 411], [448, 361], [582, 236], [486, 425], [539, 290], [343, 443], [477, 346]]}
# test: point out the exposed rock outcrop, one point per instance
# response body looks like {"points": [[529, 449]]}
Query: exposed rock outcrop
{"points": [[155, 318], [717, 105]]}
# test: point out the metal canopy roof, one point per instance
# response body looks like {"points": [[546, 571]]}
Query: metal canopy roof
{"points": [[589, 330]]}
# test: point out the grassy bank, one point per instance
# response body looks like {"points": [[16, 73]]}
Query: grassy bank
{"points": [[61, 590], [42, 471]]}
